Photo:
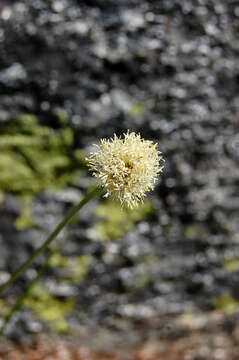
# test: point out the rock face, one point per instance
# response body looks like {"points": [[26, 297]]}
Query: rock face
{"points": [[166, 69]]}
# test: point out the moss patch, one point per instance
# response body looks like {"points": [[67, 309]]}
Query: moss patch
{"points": [[117, 221], [49, 309], [4, 309], [35, 158], [194, 231], [227, 304], [137, 110], [25, 219], [75, 267], [232, 265]]}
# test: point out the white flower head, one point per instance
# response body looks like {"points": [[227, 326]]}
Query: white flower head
{"points": [[127, 167]]}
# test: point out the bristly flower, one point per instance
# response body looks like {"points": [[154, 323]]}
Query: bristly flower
{"points": [[127, 167]]}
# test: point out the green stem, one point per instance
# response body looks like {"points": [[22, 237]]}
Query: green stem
{"points": [[95, 192]]}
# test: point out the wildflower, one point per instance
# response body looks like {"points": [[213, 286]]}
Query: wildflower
{"points": [[127, 167]]}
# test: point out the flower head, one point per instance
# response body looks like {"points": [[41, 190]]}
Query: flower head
{"points": [[127, 167]]}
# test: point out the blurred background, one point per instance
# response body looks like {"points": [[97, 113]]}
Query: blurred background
{"points": [[157, 282]]}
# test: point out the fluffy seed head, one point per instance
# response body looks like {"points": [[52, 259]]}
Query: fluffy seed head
{"points": [[127, 167]]}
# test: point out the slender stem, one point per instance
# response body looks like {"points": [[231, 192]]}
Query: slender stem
{"points": [[95, 192], [21, 298]]}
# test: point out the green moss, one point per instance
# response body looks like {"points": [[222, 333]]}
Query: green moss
{"points": [[25, 220], [117, 221], [76, 267], [143, 272], [232, 265], [50, 309], [4, 309], [142, 280], [35, 158], [47, 307], [194, 231], [58, 260], [137, 110], [79, 267], [227, 304], [62, 116]]}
